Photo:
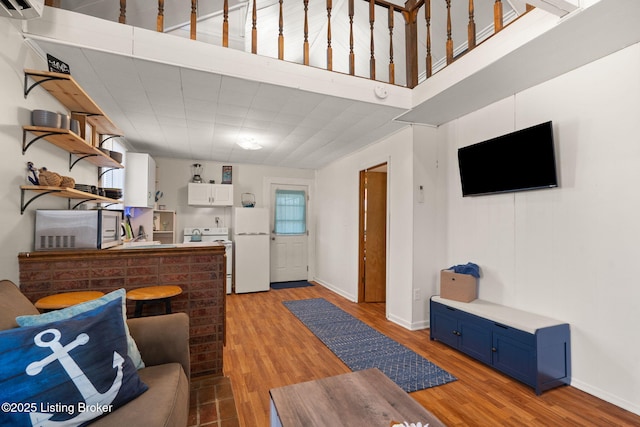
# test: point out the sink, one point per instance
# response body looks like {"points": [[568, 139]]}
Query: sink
{"points": [[140, 243], [152, 246], [145, 245]]}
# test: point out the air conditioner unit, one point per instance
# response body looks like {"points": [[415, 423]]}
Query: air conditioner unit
{"points": [[21, 9]]}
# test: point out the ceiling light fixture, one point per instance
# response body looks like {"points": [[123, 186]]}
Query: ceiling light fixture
{"points": [[249, 144]]}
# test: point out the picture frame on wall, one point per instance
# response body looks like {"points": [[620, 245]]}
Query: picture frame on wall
{"points": [[227, 174]]}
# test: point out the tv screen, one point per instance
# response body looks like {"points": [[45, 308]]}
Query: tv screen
{"points": [[518, 161]]}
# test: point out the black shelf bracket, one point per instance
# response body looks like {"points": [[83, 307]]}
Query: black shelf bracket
{"points": [[26, 145], [36, 84], [109, 137], [72, 163], [79, 203], [105, 170], [23, 205]]}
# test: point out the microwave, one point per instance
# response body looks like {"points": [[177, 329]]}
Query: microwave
{"points": [[77, 229]]}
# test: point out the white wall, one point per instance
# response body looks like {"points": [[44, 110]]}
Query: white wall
{"points": [[568, 253], [428, 244], [15, 112], [175, 174], [337, 222]]}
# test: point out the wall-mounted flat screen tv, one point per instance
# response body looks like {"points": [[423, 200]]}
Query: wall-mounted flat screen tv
{"points": [[518, 161]]}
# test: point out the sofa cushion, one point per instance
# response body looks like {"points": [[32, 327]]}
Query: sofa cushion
{"points": [[165, 404], [66, 313], [12, 304], [72, 370]]}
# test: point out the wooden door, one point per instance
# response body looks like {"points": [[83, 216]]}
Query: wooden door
{"points": [[373, 235]]}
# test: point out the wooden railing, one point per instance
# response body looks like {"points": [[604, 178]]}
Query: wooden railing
{"points": [[410, 14]]}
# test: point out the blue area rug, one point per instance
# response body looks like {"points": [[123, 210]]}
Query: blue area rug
{"points": [[360, 346], [287, 285]]}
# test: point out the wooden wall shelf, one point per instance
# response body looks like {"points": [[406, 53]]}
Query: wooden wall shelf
{"points": [[66, 90], [69, 193], [70, 142]]}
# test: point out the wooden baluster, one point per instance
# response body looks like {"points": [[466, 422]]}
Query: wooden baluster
{"points": [[194, 18], [160, 19], [427, 17], [449, 39], [305, 46], [225, 24], [123, 12], [410, 15], [254, 28], [329, 49], [280, 33], [352, 56], [372, 60], [392, 66], [471, 36], [497, 15]]}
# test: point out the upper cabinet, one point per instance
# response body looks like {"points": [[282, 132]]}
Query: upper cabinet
{"points": [[140, 180], [210, 194]]}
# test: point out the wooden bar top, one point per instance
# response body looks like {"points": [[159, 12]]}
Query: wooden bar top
{"points": [[363, 398]]}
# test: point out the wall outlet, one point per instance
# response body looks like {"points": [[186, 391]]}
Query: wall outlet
{"points": [[416, 294]]}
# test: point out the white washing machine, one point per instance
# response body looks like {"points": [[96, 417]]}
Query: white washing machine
{"points": [[213, 234]]}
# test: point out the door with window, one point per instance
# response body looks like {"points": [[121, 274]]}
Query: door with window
{"points": [[289, 236]]}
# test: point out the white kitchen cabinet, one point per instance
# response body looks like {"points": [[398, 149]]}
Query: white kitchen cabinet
{"points": [[140, 180], [210, 194]]}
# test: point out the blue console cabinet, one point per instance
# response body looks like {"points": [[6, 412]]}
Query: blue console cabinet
{"points": [[535, 350]]}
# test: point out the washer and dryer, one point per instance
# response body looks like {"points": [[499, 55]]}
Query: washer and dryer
{"points": [[213, 234]]}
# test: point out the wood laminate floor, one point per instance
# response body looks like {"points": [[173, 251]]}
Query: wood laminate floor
{"points": [[268, 347]]}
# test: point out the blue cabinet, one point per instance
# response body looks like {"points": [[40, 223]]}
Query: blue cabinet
{"points": [[536, 352]]}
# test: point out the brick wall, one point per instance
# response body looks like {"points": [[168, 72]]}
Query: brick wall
{"points": [[200, 272]]}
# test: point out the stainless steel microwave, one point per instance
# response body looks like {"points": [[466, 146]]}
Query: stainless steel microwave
{"points": [[77, 229]]}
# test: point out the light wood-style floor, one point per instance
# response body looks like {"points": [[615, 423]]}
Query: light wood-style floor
{"points": [[268, 347]]}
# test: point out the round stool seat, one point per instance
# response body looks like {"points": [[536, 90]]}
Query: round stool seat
{"points": [[66, 299], [151, 294]]}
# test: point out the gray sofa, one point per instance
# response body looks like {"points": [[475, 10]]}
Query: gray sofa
{"points": [[163, 342]]}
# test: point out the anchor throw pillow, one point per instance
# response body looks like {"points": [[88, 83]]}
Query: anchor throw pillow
{"points": [[65, 313], [67, 372]]}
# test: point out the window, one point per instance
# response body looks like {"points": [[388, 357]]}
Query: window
{"points": [[290, 212]]}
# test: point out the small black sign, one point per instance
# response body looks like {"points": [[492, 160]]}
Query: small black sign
{"points": [[57, 66]]}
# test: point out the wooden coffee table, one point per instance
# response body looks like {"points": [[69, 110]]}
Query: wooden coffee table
{"points": [[66, 299], [362, 398]]}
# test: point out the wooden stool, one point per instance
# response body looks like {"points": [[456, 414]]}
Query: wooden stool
{"points": [[153, 294], [67, 299]]}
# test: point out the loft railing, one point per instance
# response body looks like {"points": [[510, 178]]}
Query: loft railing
{"points": [[420, 37]]}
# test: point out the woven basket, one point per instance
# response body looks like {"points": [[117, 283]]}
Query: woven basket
{"points": [[50, 179], [68, 182]]}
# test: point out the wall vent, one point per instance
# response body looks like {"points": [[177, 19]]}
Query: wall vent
{"points": [[21, 9]]}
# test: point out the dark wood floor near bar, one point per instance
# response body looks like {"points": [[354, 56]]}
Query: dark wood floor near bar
{"points": [[268, 347]]}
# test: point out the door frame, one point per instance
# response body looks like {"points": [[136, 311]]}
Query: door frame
{"points": [[373, 165], [267, 182]]}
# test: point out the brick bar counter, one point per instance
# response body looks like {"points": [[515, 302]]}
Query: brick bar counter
{"points": [[199, 270]]}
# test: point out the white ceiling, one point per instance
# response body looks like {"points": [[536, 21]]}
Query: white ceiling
{"points": [[178, 112]]}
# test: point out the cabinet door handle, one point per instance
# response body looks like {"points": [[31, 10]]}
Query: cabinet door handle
{"points": [[495, 350], [456, 333]]}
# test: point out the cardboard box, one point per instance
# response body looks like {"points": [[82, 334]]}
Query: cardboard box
{"points": [[458, 287]]}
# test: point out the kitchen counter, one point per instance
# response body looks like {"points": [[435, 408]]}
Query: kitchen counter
{"points": [[158, 246], [200, 270]]}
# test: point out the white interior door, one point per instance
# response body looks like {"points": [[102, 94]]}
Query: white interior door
{"points": [[289, 234]]}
